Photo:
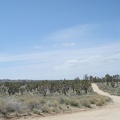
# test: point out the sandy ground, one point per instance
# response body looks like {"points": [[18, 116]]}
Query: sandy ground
{"points": [[110, 112]]}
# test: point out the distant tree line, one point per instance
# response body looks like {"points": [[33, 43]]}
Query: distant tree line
{"points": [[60, 86], [46, 86]]}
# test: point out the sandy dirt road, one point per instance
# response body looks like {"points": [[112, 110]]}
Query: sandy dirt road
{"points": [[110, 112]]}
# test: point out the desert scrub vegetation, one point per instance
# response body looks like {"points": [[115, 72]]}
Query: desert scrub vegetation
{"points": [[25, 105], [110, 84], [108, 88], [23, 98], [34, 104]]}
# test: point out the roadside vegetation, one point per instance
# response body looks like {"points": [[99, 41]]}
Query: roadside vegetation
{"points": [[110, 84], [25, 98], [26, 105], [112, 90]]}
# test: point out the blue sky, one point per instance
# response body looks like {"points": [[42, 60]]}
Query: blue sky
{"points": [[57, 39]]}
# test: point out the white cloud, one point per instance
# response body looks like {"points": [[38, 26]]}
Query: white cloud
{"points": [[71, 33], [67, 65], [88, 60], [107, 57], [63, 63]]}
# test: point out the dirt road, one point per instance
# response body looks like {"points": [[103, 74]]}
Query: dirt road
{"points": [[110, 112]]}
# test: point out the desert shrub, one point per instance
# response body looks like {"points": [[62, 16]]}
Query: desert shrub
{"points": [[72, 102], [32, 103], [43, 101], [118, 91], [2, 107], [85, 103], [62, 101], [52, 103], [100, 103], [14, 106], [46, 109], [37, 111]]}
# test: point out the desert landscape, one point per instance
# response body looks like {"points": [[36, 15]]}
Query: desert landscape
{"points": [[59, 60], [110, 112]]}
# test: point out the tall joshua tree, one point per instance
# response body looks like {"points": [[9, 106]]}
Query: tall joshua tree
{"points": [[107, 78]]}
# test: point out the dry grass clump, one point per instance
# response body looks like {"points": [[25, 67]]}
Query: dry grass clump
{"points": [[85, 103], [32, 103], [14, 106], [69, 101], [9, 107], [2, 107]]}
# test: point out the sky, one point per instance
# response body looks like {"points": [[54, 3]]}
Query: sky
{"points": [[57, 39]]}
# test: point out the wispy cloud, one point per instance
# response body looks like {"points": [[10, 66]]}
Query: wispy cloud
{"points": [[81, 36], [110, 51], [71, 34], [90, 60], [63, 63], [68, 37], [68, 44], [67, 65]]}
